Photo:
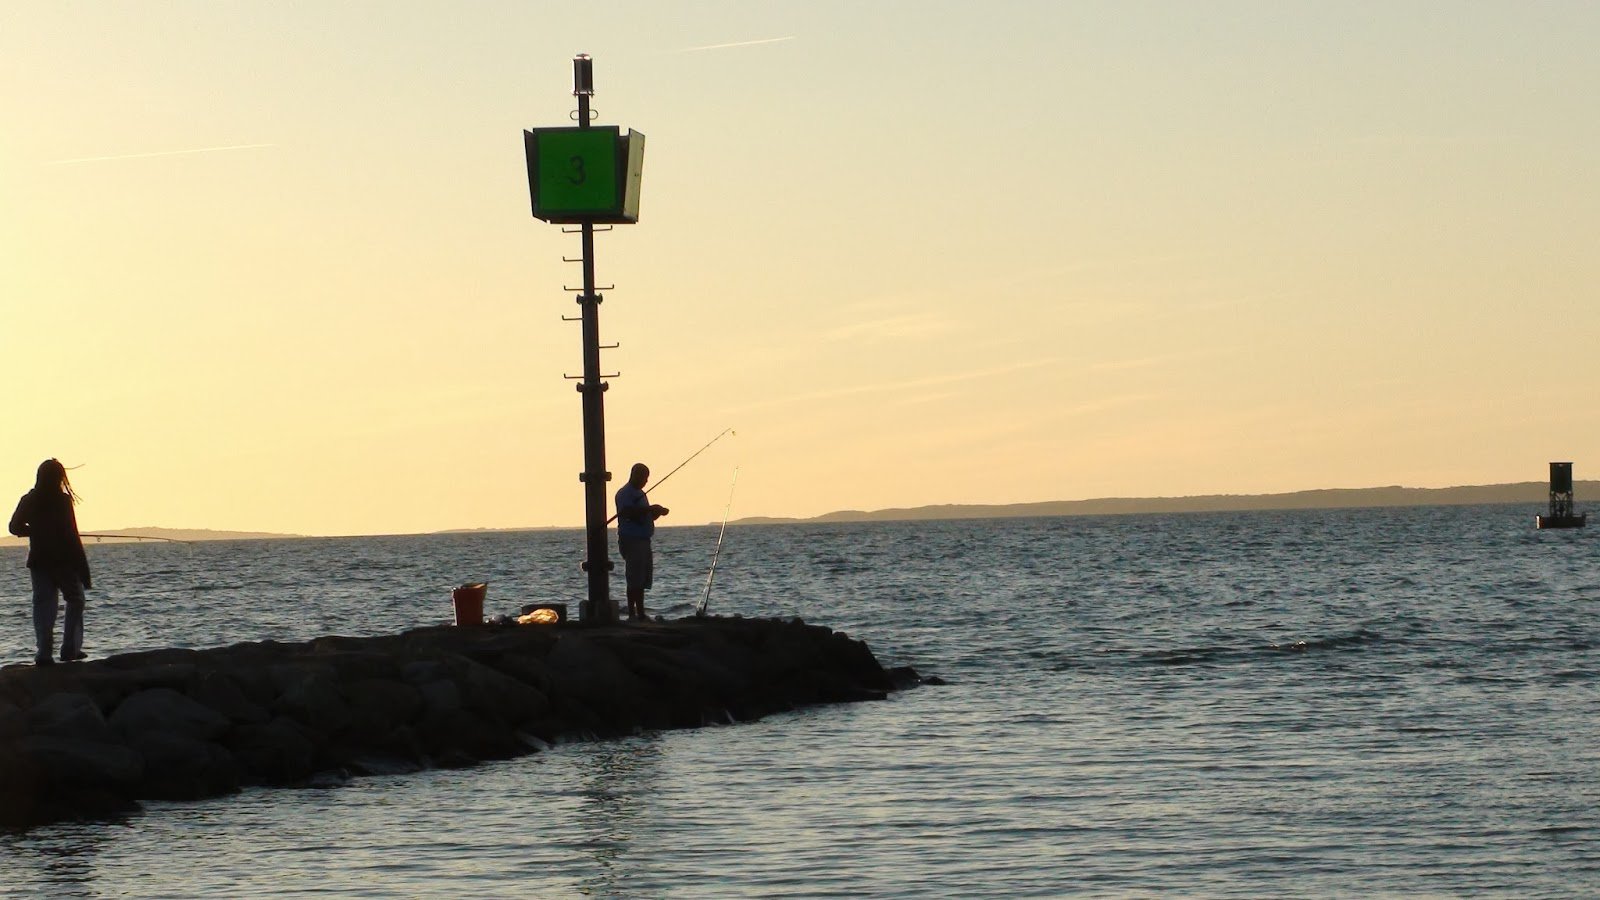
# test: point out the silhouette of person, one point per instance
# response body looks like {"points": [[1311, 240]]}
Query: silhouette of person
{"points": [[636, 522], [56, 561]]}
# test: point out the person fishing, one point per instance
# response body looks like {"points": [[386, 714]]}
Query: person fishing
{"points": [[636, 522], [56, 561]]}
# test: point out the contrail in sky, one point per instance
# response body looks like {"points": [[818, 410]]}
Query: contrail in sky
{"points": [[84, 159], [735, 44]]}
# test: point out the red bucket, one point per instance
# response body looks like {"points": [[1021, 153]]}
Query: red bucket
{"points": [[468, 600]]}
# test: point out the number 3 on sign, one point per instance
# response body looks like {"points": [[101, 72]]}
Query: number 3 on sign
{"points": [[578, 176]]}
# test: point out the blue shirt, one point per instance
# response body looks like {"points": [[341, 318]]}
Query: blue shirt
{"points": [[630, 496]]}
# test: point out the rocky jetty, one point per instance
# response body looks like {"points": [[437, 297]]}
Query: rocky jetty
{"points": [[94, 738]]}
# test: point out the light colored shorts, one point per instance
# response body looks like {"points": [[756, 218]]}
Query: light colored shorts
{"points": [[637, 559]]}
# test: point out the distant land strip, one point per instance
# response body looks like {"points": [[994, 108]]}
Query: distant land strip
{"points": [[1531, 493], [132, 535]]}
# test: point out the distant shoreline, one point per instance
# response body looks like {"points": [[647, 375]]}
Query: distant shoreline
{"points": [[1532, 493]]}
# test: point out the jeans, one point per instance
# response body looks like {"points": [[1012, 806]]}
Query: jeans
{"points": [[46, 588]]}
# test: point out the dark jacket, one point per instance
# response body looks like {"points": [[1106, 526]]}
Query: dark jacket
{"points": [[47, 520]]}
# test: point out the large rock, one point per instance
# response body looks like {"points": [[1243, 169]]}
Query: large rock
{"points": [[686, 687], [498, 697], [458, 737], [13, 721], [68, 760], [44, 779], [165, 711], [310, 695], [178, 767], [22, 784], [377, 706], [276, 752], [590, 685], [354, 658], [222, 693], [74, 716], [530, 670], [148, 659], [397, 751], [440, 695], [173, 675]]}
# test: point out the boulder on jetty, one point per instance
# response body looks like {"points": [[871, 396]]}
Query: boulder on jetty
{"points": [[91, 739]]}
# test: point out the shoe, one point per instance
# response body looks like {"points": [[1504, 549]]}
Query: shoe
{"points": [[43, 660], [74, 657]]}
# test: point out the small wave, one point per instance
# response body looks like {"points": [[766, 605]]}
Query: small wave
{"points": [[1489, 679], [1186, 656], [1358, 638], [1214, 654], [1177, 656]]}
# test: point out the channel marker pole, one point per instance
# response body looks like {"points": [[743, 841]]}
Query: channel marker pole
{"points": [[585, 176], [595, 478]]}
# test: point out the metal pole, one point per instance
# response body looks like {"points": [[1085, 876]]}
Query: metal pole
{"points": [[597, 560]]}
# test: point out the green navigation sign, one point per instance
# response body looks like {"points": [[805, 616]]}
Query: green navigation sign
{"points": [[577, 170], [581, 175]]}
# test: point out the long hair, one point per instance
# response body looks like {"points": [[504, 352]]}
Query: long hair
{"points": [[52, 477]]}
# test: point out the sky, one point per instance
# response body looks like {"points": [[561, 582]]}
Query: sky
{"points": [[271, 266]]}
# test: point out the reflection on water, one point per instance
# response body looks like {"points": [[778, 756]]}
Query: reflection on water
{"points": [[617, 783], [56, 862], [1349, 703]]}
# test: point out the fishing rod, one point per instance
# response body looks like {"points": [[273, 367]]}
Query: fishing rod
{"points": [[705, 598], [136, 537], [663, 479]]}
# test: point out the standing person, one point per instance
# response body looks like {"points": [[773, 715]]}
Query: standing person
{"points": [[636, 522], [56, 561]]}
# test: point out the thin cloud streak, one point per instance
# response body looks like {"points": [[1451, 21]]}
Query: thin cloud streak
{"points": [[892, 386], [87, 159], [919, 325], [1145, 362], [735, 44]]}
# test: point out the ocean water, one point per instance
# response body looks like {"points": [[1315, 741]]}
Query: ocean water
{"points": [[1400, 702]]}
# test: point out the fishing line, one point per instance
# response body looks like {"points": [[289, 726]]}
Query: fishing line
{"points": [[711, 575], [663, 479], [193, 591]]}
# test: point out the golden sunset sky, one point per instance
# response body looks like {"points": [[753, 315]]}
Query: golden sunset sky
{"points": [[270, 266]]}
